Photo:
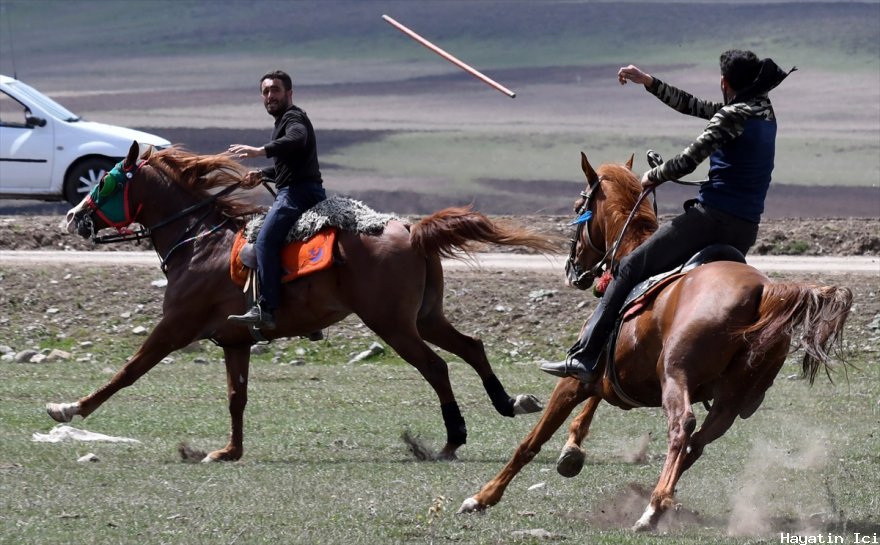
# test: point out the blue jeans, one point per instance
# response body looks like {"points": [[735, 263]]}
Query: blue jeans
{"points": [[289, 205]]}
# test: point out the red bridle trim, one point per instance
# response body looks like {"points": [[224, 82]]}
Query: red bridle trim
{"points": [[120, 226]]}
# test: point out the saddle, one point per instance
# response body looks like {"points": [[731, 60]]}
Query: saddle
{"points": [[298, 257], [645, 291], [311, 241]]}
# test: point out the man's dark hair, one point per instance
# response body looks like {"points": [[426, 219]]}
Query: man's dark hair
{"points": [[278, 74], [739, 68]]}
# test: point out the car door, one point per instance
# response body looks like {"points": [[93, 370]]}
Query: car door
{"points": [[26, 150]]}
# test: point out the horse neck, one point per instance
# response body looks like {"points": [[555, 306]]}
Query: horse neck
{"points": [[162, 204], [638, 231]]}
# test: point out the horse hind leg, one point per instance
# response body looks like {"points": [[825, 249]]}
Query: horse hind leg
{"points": [[731, 401], [409, 346], [436, 329], [681, 425]]}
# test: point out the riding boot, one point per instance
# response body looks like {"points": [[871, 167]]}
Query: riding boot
{"points": [[583, 357], [257, 315]]}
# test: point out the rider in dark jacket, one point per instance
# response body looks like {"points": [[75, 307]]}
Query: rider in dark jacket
{"points": [[297, 180], [740, 142]]}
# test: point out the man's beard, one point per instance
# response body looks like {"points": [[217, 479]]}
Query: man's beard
{"points": [[276, 108]]}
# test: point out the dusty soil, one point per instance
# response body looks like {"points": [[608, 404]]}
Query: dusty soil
{"points": [[829, 236], [509, 310]]}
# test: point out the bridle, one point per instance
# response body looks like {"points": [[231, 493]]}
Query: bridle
{"points": [[580, 278], [576, 275], [124, 234]]}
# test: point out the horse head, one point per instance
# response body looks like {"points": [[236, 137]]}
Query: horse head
{"points": [[601, 211], [109, 203]]}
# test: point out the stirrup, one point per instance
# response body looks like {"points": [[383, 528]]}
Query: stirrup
{"points": [[572, 367], [256, 316]]}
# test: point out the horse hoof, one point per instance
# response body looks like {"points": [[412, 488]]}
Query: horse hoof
{"points": [[447, 455], [526, 403], [62, 412], [208, 459], [647, 522], [570, 462], [642, 527], [470, 505]]}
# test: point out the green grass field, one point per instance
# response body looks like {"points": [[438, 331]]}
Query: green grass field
{"points": [[324, 462]]}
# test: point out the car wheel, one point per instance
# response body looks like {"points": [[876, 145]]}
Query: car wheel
{"points": [[83, 176]]}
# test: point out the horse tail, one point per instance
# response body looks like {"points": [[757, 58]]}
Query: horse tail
{"points": [[457, 229], [812, 316]]}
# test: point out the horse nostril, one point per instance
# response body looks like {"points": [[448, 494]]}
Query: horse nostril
{"points": [[83, 229]]}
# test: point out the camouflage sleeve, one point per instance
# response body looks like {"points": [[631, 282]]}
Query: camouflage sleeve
{"points": [[682, 101], [723, 127]]}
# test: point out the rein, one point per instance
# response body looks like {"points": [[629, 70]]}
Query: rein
{"points": [[608, 258], [654, 160], [145, 232], [127, 235], [632, 214]]}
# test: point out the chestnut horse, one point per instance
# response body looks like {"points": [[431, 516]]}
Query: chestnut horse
{"points": [[720, 333], [393, 281]]}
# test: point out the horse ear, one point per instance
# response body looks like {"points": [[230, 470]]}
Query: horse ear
{"points": [[147, 154], [591, 175], [132, 157], [629, 164]]}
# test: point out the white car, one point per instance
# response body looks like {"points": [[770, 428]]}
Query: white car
{"points": [[49, 153]]}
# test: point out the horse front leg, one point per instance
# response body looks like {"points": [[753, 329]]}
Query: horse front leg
{"points": [[237, 367], [567, 394], [571, 459], [165, 338]]}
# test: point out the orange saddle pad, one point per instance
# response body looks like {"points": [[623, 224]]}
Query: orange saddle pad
{"points": [[298, 258]]}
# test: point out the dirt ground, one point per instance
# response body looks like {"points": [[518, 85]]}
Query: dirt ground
{"points": [[819, 237], [493, 305]]}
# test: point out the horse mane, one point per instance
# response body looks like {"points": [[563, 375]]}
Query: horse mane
{"points": [[200, 174], [621, 194]]}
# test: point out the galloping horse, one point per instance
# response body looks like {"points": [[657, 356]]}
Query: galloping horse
{"points": [[393, 281], [719, 333]]}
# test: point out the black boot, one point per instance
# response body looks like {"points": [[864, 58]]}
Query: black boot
{"points": [[583, 358], [256, 316]]}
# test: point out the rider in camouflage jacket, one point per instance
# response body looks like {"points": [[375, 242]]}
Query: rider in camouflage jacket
{"points": [[740, 142], [740, 138]]}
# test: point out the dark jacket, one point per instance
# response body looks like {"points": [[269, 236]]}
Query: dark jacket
{"points": [[740, 141], [293, 149]]}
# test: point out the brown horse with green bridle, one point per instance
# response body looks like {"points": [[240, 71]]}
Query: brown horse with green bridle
{"points": [[392, 280], [717, 334]]}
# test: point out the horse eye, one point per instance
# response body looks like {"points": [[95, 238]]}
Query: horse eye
{"points": [[106, 186]]}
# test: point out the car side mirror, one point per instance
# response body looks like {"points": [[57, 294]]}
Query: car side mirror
{"points": [[34, 121]]}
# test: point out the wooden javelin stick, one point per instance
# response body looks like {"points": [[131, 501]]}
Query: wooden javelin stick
{"points": [[473, 71]]}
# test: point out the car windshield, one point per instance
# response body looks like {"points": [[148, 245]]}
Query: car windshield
{"points": [[44, 102]]}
